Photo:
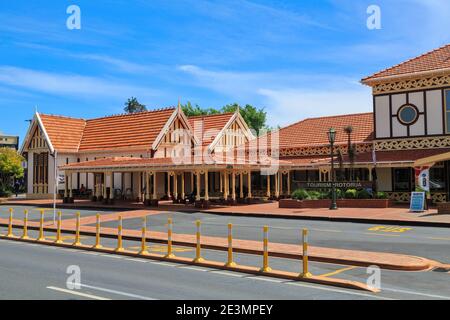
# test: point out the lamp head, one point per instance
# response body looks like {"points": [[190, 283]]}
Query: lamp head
{"points": [[331, 135]]}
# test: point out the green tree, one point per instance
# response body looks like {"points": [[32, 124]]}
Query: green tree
{"points": [[255, 118], [192, 111], [133, 106], [10, 168]]}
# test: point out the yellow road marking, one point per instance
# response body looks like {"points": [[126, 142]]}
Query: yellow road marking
{"points": [[338, 271], [389, 229]]}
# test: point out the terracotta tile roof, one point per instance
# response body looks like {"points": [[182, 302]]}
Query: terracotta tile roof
{"points": [[313, 131], [65, 133], [127, 131], [212, 125], [204, 159], [434, 60], [398, 155], [366, 157]]}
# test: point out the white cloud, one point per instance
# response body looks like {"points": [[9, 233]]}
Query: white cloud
{"points": [[289, 96], [288, 106], [69, 84]]}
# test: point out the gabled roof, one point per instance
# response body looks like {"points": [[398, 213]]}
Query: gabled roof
{"points": [[313, 131], [436, 60], [126, 131], [64, 133], [137, 131], [211, 125]]}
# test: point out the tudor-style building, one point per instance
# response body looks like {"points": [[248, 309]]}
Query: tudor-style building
{"points": [[138, 156]]}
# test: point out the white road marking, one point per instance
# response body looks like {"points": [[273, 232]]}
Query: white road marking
{"points": [[416, 293], [193, 268], [265, 279], [122, 293], [91, 253], [135, 259], [337, 290], [167, 264], [76, 293], [114, 256], [231, 274]]}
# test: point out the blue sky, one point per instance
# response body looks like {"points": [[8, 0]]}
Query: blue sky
{"points": [[296, 58]]}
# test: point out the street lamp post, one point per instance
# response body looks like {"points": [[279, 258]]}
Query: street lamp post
{"points": [[331, 139]]}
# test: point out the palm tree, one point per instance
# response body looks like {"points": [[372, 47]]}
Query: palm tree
{"points": [[351, 149]]}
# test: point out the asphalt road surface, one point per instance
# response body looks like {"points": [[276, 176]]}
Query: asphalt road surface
{"points": [[28, 259]]}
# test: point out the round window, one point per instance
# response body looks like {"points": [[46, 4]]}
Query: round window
{"points": [[408, 114]]}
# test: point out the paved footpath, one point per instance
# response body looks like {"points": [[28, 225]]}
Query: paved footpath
{"points": [[395, 215]]}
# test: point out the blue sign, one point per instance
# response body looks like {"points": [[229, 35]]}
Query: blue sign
{"points": [[417, 203]]}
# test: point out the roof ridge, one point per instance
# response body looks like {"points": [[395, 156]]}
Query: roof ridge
{"points": [[61, 116], [374, 75], [211, 115], [132, 114]]}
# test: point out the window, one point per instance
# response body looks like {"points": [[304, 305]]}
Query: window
{"points": [[437, 177], [408, 114], [447, 109], [402, 179]]}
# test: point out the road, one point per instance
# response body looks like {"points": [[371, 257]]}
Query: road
{"points": [[428, 242], [30, 271], [212, 284]]}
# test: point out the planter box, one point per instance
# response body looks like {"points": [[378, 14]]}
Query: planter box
{"points": [[443, 208], [341, 203]]}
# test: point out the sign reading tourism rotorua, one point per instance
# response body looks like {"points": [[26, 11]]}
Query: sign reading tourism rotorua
{"points": [[338, 184]]}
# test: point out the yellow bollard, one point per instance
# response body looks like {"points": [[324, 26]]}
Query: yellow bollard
{"points": [[58, 230], [77, 241], [25, 225], [265, 267], [41, 228], [97, 233], [10, 224], [169, 239], [305, 273], [198, 254], [144, 237], [119, 236], [230, 262]]}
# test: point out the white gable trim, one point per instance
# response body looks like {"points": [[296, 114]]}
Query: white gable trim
{"points": [[37, 121], [238, 118], [176, 114]]}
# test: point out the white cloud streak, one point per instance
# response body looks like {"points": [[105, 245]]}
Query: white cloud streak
{"points": [[288, 96], [69, 84]]}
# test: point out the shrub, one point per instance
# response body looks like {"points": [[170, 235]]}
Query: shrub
{"points": [[4, 192], [350, 194], [315, 195], [300, 194], [363, 194], [381, 195]]}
